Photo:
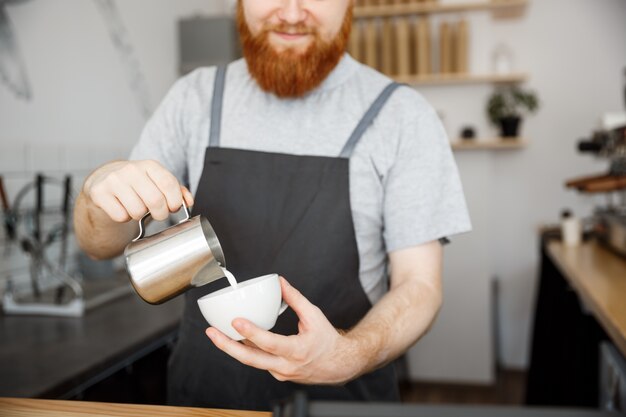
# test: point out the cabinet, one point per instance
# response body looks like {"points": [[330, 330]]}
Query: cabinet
{"points": [[612, 379], [398, 38]]}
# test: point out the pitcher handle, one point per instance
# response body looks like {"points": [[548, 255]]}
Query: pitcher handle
{"points": [[142, 228]]}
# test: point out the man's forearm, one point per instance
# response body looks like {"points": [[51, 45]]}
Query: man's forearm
{"points": [[395, 323], [98, 235]]}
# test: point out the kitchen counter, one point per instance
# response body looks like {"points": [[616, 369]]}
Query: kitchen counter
{"points": [[12, 407], [54, 357], [51, 408], [599, 278], [579, 305]]}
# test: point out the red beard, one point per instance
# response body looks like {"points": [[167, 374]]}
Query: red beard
{"points": [[289, 74]]}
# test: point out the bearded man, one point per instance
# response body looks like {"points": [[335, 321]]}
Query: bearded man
{"points": [[309, 164]]}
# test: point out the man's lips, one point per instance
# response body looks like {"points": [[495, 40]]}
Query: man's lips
{"points": [[291, 36]]}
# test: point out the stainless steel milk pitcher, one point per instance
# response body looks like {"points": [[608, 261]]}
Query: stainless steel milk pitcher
{"points": [[168, 263]]}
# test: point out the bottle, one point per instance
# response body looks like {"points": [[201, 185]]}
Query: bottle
{"points": [[624, 86], [571, 229]]}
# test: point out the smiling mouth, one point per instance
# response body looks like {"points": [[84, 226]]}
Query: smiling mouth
{"points": [[291, 36]]}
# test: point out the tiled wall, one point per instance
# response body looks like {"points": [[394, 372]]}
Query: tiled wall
{"points": [[18, 166]]}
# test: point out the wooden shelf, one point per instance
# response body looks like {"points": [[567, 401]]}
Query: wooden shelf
{"points": [[443, 79], [497, 144], [434, 7]]}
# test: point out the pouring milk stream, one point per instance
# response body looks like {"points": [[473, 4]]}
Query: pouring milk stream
{"points": [[188, 255]]}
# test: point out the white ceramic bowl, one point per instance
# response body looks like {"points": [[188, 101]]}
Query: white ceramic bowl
{"points": [[257, 300]]}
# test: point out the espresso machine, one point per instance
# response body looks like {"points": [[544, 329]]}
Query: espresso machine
{"points": [[608, 142]]}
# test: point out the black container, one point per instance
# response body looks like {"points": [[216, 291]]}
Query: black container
{"points": [[509, 126]]}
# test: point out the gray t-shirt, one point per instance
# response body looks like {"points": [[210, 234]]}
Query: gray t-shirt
{"points": [[404, 184]]}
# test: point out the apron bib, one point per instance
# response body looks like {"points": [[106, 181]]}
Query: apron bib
{"points": [[278, 213]]}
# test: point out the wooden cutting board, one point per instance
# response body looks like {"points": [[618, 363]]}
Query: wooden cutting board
{"points": [[26, 407], [445, 48], [356, 41], [602, 183], [605, 186], [371, 43], [423, 45], [583, 181], [403, 46], [462, 47], [387, 48]]}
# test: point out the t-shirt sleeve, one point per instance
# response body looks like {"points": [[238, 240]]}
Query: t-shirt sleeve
{"points": [[164, 137], [423, 197]]}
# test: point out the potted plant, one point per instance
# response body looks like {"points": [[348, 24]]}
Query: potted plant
{"points": [[506, 107]]}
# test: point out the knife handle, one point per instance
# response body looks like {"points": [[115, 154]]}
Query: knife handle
{"points": [[39, 183], [3, 196], [67, 194]]}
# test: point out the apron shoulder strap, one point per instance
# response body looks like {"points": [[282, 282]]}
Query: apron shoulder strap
{"points": [[367, 119], [216, 107]]}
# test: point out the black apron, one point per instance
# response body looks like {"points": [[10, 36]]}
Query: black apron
{"points": [[275, 213]]}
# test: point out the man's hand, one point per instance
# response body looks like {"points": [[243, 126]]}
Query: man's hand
{"points": [[129, 189], [117, 192], [318, 354]]}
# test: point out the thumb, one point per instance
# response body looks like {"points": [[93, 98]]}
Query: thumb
{"points": [[298, 302]]}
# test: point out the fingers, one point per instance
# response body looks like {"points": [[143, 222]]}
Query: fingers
{"points": [[267, 341], [249, 343], [130, 189], [128, 197], [112, 207], [298, 358], [167, 184], [151, 197], [245, 354], [117, 199]]}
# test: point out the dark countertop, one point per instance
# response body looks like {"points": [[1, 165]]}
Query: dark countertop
{"points": [[51, 357]]}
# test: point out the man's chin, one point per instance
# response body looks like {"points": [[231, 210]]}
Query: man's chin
{"points": [[290, 49]]}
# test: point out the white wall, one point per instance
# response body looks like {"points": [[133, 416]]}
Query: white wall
{"points": [[81, 90], [578, 68], [575, 53], [84, 113], [460, 346]]}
